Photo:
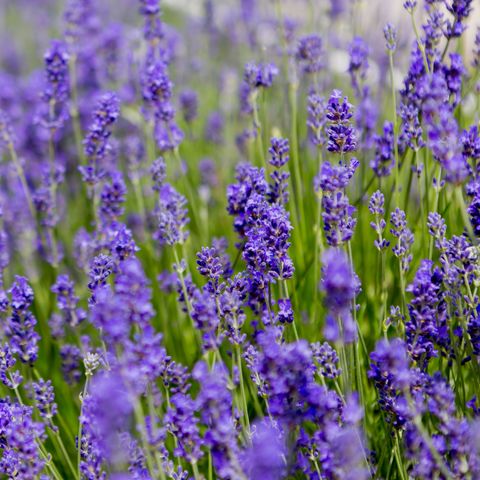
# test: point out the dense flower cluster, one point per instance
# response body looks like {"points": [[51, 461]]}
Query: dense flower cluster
{"points": [[216, 265]]}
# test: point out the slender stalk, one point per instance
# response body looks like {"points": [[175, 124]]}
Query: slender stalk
{"points": [[80, 427], [395, 131], [77, 130], [242, 390]]}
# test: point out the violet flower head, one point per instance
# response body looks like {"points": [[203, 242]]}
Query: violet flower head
{"points": [[285, 311], [156, 85], [470, 140], [214, 402], [265, 457], [44, 397], [210, 264], [391, 374], [96, 143], [56, 72], [214, 128], [67, 301], [189, 105], [405, 238], [337, 214], [376, 207], [340, 285], [427, 327], [268, 241], [21, 455], [460, 10], [260, 75], [172, 216], [341, 134], [158, 171], [279, 152], [476, 49], [182, 422], [153, 28], [112, 198], [11, 379], [309, 53], [205, 318], [80, 18], [317, 119], [390, 34], [327, 359], [108, 412], [410, 129], [358, 66], [20, 327], [384, 160]]}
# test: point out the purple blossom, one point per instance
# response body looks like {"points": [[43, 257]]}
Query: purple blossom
{"points": [[214, 403], [279, 152], [265, 457], [21, 323], [384, 160], [189, 105], [317, 119], [340, 286], [309, 53], [404, 236], [172, 216], [341, 135], [259, 75], [358, 66]]}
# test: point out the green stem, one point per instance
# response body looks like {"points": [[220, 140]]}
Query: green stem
{"points": [[395, 131]]}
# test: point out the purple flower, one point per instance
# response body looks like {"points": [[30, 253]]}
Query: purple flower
{"points": [[67, 300], [341, 135], [172, 217], [358, 66], [340, 285], [309, 53], [384, 159], [259, 76], [158, 170], [317, 119], [404, 236], [21, 323], [182, 422], [390, 371], [44, 397], [390, 34], [427, 327], [10, 379], [285, 311], [410, 129], [96, 143], [460, 10], [337, 214], [279, 152], [214, 404], [21, 456], [112, 198], [376, 207], [156, 85], [327, 359], [205, 318], [56, 72], [189, 105], [265, 457], [214, 128]]}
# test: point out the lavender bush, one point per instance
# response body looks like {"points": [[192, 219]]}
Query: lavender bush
{"points": [[225, 255]]}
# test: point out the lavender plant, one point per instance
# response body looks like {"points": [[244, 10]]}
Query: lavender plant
{"points": [[224, 254]]}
